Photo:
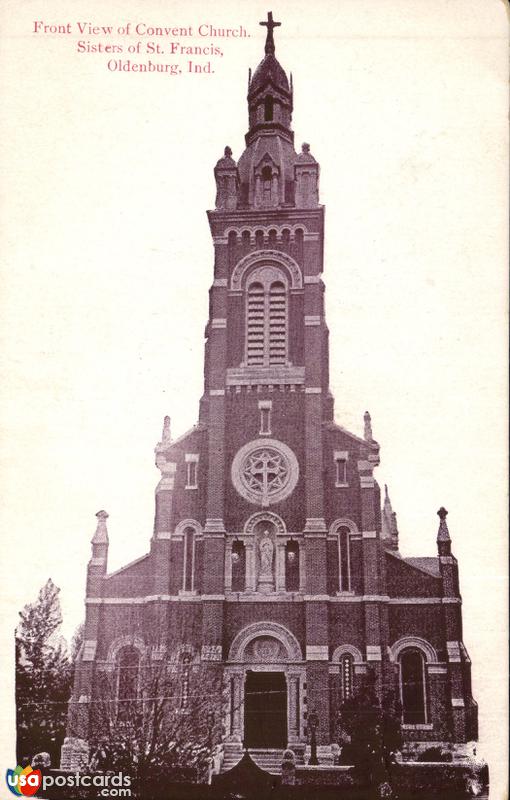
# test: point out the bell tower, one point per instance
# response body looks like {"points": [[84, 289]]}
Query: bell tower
{"points": [[266, 353]]}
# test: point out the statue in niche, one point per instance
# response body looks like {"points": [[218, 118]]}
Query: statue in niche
{"points": [[266, 550]]}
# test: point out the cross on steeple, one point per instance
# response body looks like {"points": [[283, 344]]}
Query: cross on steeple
{"points": [[270, 25]]}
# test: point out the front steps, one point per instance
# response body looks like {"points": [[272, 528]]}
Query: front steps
{"points": [[268, 759]]}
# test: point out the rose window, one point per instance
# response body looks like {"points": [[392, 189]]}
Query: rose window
{"points": [[265, 471]]}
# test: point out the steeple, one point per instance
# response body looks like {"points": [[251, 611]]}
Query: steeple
{"points": [[269, 93], [269, 173]]}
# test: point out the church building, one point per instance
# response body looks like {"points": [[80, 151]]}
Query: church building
{"points": [[274, 560]]}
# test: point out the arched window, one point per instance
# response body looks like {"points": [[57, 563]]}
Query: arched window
{"points": [[346, 670], [188, 572], [412, 686], [268, 108], [266, 320], [344, 559], [127, 675]]}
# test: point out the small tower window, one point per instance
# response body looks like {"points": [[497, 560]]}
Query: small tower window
{"points": [[412, 687], [268, 108], [191, 460], [265, 417], [267, 180], [341, 457]]}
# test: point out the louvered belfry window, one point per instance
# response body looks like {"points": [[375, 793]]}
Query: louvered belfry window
{"points": [[266, 321]]}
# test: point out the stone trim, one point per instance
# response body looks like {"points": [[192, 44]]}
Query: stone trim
{"points": [[369, 534], [374, 652], [313, 390], [315, 525], [89, 650], [453, 650], [312, 320], [213, 525], [457, 702], [317, 652], [211, 652], [218, 323], [422, 726], [217, 392]]}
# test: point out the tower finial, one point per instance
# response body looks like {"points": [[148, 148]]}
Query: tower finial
{"points": [[443, 535], [270, 25]]}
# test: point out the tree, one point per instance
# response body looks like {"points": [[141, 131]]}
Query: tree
{"points": [[43, 676], [370, 732], [161, 721]]}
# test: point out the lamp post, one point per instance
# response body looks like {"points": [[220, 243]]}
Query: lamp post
{"points": [[313, 722]]}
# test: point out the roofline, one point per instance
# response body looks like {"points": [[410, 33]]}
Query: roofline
{"points": [[126, 566]]}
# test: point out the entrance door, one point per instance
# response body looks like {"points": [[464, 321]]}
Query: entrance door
{"points": [[265, 709]]}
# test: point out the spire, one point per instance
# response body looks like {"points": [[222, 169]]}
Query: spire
{"points": [[389, 522], [443, 534], [101, 534], [270, 25]]}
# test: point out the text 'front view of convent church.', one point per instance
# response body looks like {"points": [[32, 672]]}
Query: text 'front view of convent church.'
{"points": [[274, 561]]}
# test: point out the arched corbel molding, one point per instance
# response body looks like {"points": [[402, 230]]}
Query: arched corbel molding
{"points": [[265, 516], [270, 629], [346, 649], [413, 642]]}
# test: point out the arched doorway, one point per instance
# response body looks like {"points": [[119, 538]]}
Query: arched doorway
{"points": [[265, 679], [265, 709]]}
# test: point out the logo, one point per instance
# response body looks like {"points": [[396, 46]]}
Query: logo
{"points": [[23, 782]]}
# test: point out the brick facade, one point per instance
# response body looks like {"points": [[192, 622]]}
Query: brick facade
{"points": [[266, 455]]}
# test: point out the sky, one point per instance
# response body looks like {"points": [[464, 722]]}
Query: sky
{"points": [[107, 260]]}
